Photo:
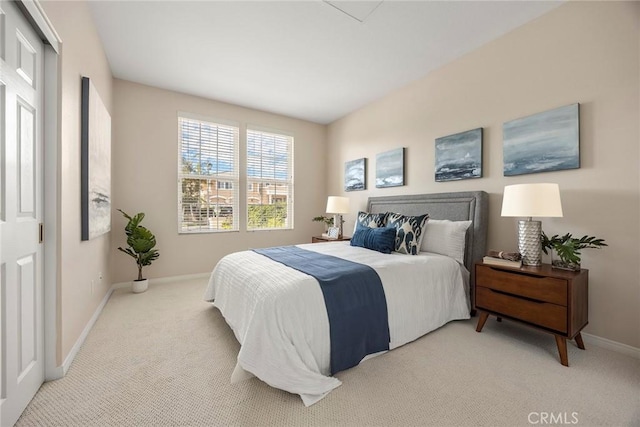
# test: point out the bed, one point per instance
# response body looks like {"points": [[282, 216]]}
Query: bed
{"points": [[279, 317]]}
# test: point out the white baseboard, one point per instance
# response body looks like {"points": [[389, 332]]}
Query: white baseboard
{"points": [[165, 280], [612, 345], [53, 374], [76, 347], [62, 371]]}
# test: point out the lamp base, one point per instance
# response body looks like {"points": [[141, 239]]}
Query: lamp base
{"points": [[529, 242], [337, 222]]}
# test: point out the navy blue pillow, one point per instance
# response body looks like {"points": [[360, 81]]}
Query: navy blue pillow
{"points": [[381, 239]]}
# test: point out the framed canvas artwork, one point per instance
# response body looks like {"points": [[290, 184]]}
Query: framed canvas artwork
{"points": [[390, 168], [355, 175], [459, 156], [543, 142], [95, 163]]}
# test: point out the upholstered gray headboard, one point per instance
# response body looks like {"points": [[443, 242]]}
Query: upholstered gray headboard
{"points": [[459, 206]]}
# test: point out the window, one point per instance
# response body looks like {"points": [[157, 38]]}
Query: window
{"points": [[208, 176], [269, 180]]}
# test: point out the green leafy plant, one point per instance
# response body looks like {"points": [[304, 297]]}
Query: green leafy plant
{"points": [[326, 220], [568, 248], [141, 242]]}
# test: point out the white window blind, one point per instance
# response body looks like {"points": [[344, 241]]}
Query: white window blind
{"points": [[269, 180], [208, 176]]}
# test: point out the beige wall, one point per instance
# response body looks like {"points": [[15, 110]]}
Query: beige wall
{"points": [[145, 159], [581, 52], [79, 262]]}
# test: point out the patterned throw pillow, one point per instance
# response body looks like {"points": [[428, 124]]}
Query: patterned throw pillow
{"points": [[371, 220], [409, 231]]}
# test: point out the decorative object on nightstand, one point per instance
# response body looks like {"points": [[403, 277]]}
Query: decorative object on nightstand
{"points": [[505, 259], [338, 205], [327, 221], [554, 301], [529, 200], [567, 248]]}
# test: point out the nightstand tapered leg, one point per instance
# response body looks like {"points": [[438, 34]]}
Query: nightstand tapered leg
{"points": [[579, 341], [481, 321], [562, 349]]}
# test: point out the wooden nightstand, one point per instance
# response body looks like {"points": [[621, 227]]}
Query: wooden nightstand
{"points": [[555, 301], [320, 239]]}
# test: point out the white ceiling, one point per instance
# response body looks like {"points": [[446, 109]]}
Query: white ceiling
{"points": [[304, 59]]}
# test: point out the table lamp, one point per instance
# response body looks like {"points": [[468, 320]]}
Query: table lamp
{"points": [[531, 200], [337, 206]]}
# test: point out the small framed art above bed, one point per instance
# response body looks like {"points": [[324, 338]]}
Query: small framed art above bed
{"points": [[302, 313]]}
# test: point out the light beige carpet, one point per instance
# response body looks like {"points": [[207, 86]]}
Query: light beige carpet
{"points": [[165, 357]]}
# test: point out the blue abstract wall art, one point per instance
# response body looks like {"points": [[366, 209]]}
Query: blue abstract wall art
{"points": [[543, 142], [355, 175], [390, 168], [459, 156]]}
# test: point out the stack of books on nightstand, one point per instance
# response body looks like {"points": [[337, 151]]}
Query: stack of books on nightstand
{"points": [[505, 259]]}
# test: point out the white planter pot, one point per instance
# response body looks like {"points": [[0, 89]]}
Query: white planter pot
{"points": [[138, 286]]}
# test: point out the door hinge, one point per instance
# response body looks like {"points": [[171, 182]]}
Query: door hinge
{"points": [[41, 239]]}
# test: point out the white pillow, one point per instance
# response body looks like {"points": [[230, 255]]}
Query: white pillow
{"points": [[446, 238]]}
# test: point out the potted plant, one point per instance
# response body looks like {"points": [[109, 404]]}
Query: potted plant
{"points": [[567, 248], [328, 222], [141, 243]]}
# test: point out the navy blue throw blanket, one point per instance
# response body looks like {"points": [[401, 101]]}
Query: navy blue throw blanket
{"points": [[355, 301]]}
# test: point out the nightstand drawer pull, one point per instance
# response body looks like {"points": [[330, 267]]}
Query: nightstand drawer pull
{"points": [[517, 296], [521, 273]]}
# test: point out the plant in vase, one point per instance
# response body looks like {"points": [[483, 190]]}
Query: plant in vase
{"points": [[568, 248], [328, 222], [141, 243]]}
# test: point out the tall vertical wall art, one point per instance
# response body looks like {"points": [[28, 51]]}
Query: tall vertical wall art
{"points": [[95, 164], [390, 168], [355, 175]]}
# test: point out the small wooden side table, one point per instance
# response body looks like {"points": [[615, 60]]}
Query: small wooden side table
{"points": [[555, 301], [320, 239]]}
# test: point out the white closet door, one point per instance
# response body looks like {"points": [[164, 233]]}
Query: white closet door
{"points": [[21, 200]]}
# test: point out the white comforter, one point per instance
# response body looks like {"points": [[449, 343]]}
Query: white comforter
{"points": [[279, 317]]}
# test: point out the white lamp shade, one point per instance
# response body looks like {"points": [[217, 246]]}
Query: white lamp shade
{"points": [[337, 205], [529, 200]]}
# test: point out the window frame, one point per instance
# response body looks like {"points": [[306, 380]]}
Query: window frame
{"points": [[210, 178], [266, 182]]}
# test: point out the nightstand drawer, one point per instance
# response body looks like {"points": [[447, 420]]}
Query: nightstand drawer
{"points": [[540, 313], [540, 288]]}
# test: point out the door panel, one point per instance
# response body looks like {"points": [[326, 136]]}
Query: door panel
{"points": [[26, 59], [27, 328], [27, 144], [21, 199]]}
